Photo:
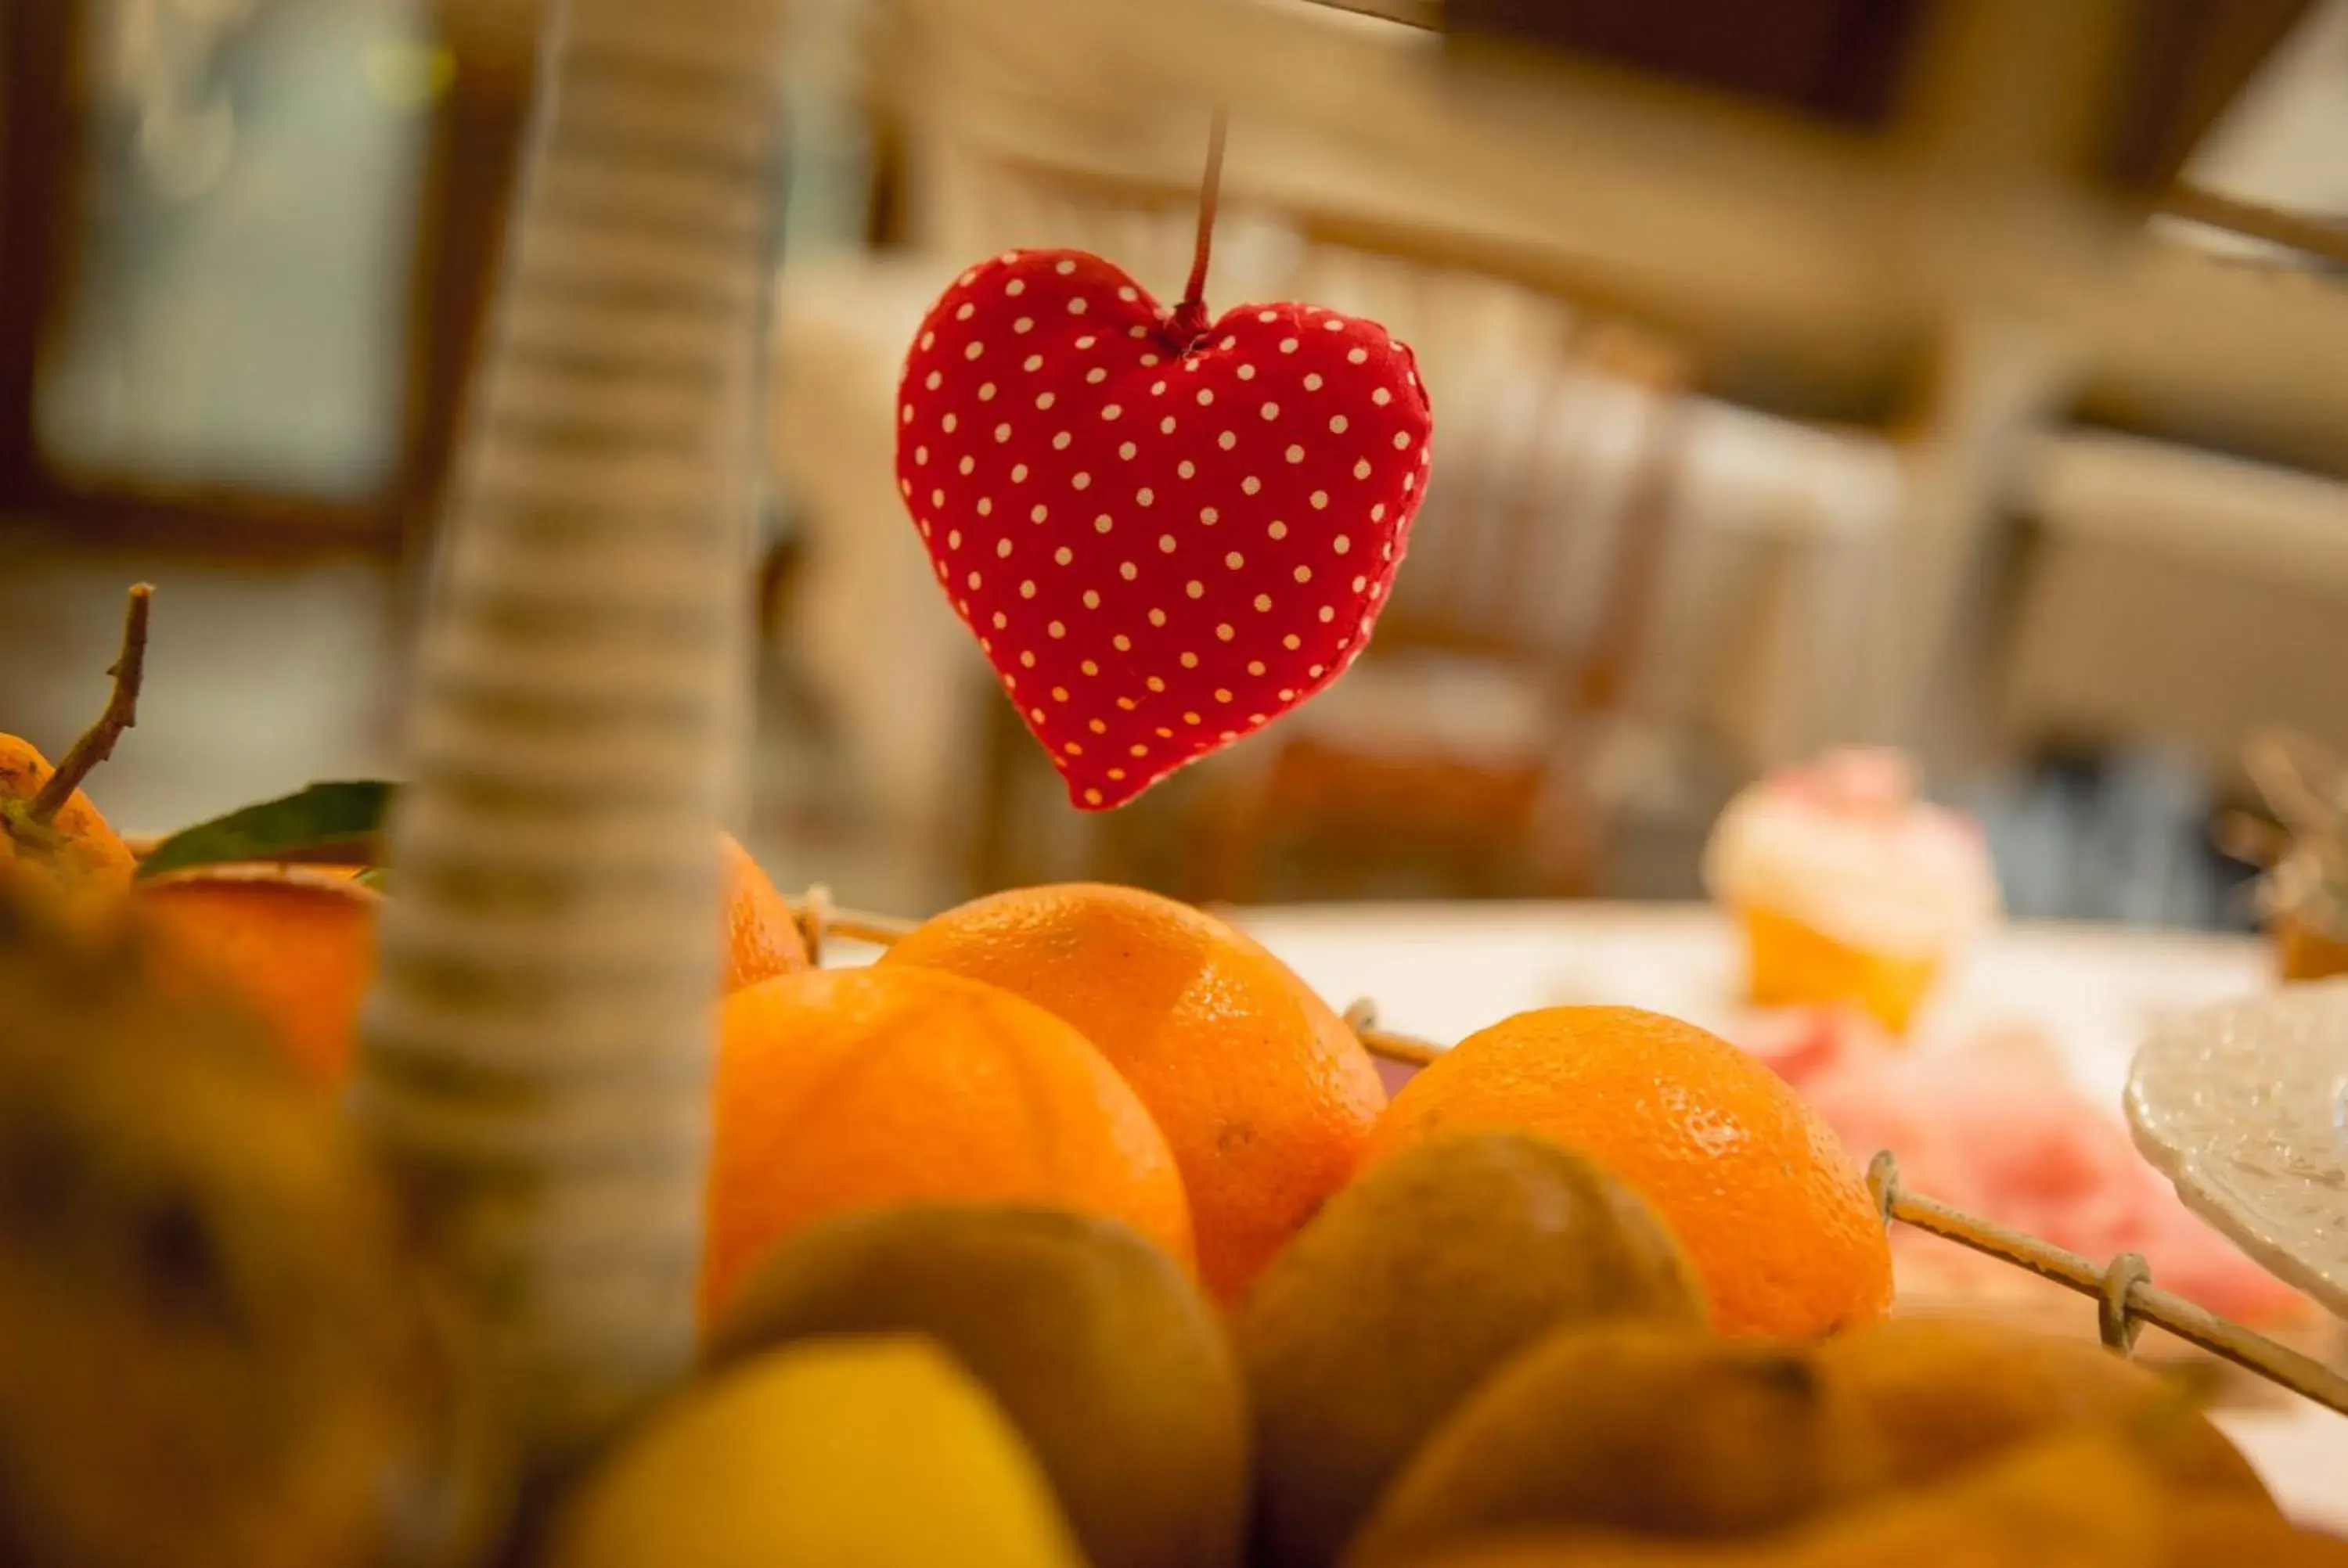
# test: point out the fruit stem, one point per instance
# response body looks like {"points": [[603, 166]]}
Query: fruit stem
{"points": [[1189, 319], [97, 742]]}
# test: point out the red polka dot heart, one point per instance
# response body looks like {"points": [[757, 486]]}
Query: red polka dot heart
{"points": [[1161, 545]]}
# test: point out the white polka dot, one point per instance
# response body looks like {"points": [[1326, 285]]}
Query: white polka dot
{"points": [[1060, 442], [1148, 359], [1102, 524], [1157, 618], [1166, 426], [1092, 601], [1033, 361], [1127, 295], [1092, 797], [1003, 432], [1155, 684], [1381, 397], [1027, 589], [1046, 399], [1341, 544], [921, 457], [1402, 440], [905, 488], [1270, 411], [1328, 614], [1166, 543], [1127, 570], [1036, 714], [967, 310], [1189, 660], [1146, 496], [1229, 343], [937, 497], [925, 527], [928, 339], [1313, 381], [1315, 670], [1015, 286], [1195, 588], [1063, 267], [1002, 548], [1255, 666], [1360, 583], [1125, 450], [1037, 513], [1250, 484], [999, 622], [1378, 512], [1157, 389], [1059, 693], [971, 580], [1056, 629], [1185, 468], [1267, 316], [1320, 499], [985, 506], [974, 350], [1361, 467], [1121, 643], [1234, 560], [1222, 695], [1225, 632], [1088, 667], [1026, 660], [1226, 440], [1206, 395], [1332, 324], [986, 392], [1336, 424], [1288, 345], [1359, 356], [1294, 453], [1094, 376], [1117, 773], [1082, 481], [1208, 515], [1190, 365], [1262, 602], [1305, 574], [1076, 306], [1111, 412], [1063, 555], [1409, 483], [966, 465], [1279, 530], [1288, 693], [930, 380], [1292, 642], [1246, 372]]}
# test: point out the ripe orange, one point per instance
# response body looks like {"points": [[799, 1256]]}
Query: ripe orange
{"points": [[1264, 1093], [295, 943], [1756, 1186], [74, 851], [762, 940], [840, 1089]]}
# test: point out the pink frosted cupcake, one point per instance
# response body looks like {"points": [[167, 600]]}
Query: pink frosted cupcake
{"points": [[1849, 888]]}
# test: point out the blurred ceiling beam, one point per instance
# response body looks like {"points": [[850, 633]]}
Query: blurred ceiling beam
{"points": [[1800, 258]]}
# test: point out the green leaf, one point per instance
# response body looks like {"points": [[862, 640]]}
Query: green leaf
{"points": [[347, 813]]}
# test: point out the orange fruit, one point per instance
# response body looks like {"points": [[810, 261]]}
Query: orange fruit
{"points": [[847, 1089], [1753, 1182], [296, 944], [75, 850], [762, 940], [1264, 1094]]}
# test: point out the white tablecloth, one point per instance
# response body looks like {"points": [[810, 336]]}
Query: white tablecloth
{"points": [[1445, 970]]}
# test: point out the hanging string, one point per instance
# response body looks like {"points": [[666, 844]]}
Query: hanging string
{"points": [[1191, 316]]}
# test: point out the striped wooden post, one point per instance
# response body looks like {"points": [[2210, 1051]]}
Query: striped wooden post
{"points": [[537, 1049]]}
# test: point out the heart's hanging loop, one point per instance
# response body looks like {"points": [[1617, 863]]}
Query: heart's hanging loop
{"points": [[1188, 322]]}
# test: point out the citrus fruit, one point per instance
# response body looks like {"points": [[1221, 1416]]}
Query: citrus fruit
{"points": [[1632, 1425], [296, 944], [843, 1089], [1755, 1185], [51, 837], [1947, 1394], [211, 1353], [762, 940], [1095, 1343], [1406, 1291], [1264, 1094], [852, 1453]]}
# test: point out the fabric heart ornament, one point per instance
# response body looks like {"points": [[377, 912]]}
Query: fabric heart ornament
{"points": [[1164, 534]]}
